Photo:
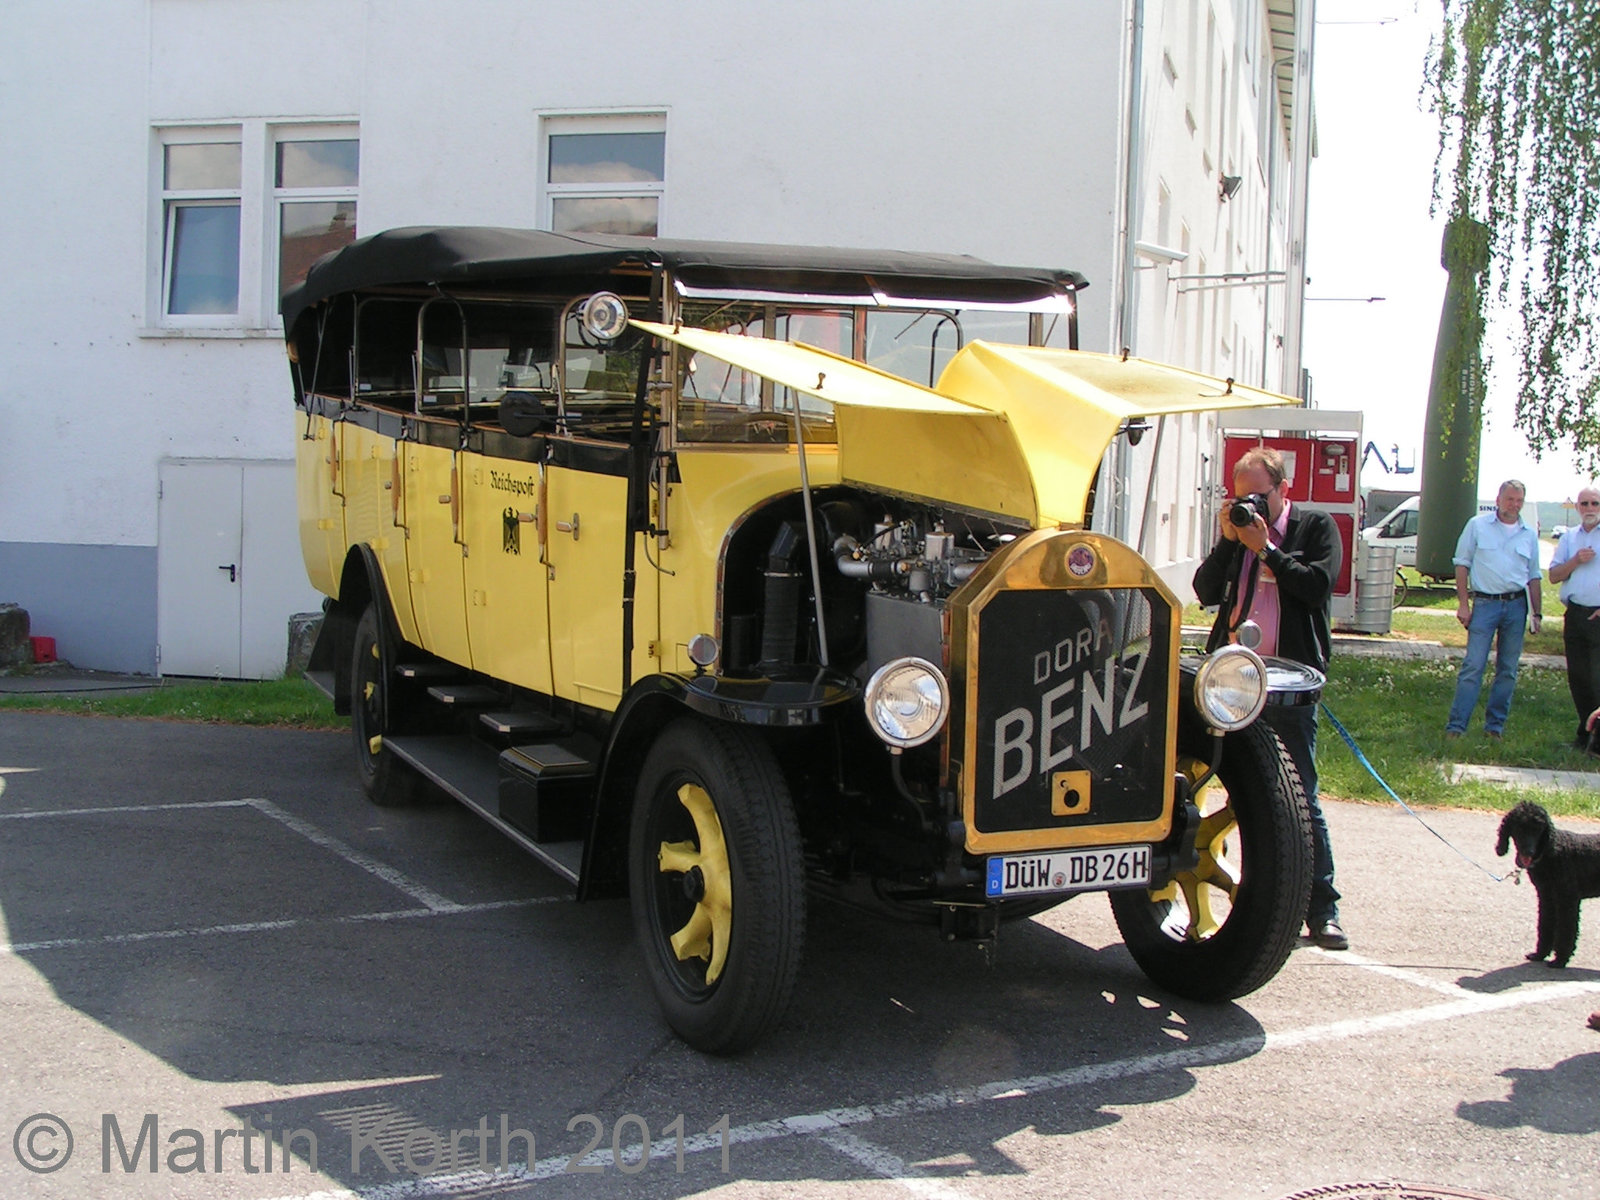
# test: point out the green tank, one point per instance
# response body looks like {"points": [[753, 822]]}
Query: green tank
{"points": [[1454, 423]]}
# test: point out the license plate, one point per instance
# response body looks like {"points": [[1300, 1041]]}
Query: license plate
{"points": [[1068, 871]]}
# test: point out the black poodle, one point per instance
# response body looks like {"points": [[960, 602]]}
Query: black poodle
{"points": [[1564, 868]]}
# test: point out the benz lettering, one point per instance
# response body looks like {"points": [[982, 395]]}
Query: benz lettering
{"points": [[1085, 704]]}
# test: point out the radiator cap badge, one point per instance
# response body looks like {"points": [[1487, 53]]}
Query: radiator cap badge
{"points": [[1081, 560]]}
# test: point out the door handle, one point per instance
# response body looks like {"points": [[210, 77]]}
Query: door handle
{"points": [[233, 571], [569, 527]]}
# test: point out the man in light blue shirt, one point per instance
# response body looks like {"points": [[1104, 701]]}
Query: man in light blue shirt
{"points": [[1575, 567], [1497, 582]]}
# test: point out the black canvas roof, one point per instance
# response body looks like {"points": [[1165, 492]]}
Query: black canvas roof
{"points": [[457, 255]]}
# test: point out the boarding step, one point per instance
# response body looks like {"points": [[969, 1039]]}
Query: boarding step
{"points": [[521, 723], [429, 669], [547, 788], [466, 768], [466, 695]]}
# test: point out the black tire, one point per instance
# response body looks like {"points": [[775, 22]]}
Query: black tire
{"points": [[724, 1002], [1254, 881], [1402, 587], [375, 713]]}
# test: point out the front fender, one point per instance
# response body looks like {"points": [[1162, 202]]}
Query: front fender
{"points": [[817, 697]]}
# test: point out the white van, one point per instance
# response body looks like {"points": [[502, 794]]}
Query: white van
{"points": [[1399, 527]]}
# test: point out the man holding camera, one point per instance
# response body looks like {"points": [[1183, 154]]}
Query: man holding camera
{"points": [[1497, 583], [1274, 566]]}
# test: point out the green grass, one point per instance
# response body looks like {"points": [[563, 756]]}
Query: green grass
{"points": [[287, 703], [1429, 614], [1395, 710]]}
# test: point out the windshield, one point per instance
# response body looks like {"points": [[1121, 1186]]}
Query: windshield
{"points": [[719, 402]]}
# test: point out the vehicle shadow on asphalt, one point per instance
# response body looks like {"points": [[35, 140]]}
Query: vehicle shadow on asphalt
{"points": [[234, 948], [1054, 1037]]}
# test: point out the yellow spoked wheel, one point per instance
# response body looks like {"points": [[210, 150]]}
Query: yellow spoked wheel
{"points": [[716, 883], [1199, 901], [702, 865], [374, 710], [1224, 927]]}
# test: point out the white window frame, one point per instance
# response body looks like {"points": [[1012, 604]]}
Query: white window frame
{"points": [[166, 202], [259, 201], [589, 121], [281, 196]]}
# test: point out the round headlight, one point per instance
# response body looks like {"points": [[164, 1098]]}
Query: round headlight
{"points": [[1230, 689], [907, 701], [604, 316]]}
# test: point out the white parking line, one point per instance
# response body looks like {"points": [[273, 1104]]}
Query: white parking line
{"points": [[36, 814], [156, 935], [396, 879], [888, 1165], [829, 1124], [355, 858], [1403, 974]]}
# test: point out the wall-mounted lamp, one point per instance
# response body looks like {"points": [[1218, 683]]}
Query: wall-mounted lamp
{"points": [[1165, 255], [1230, 185]]}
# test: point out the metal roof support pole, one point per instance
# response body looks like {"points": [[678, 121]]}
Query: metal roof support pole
{"points": [[811, 530]]}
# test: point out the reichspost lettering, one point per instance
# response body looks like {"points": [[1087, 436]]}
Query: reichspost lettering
{"points": [[501, 482]]}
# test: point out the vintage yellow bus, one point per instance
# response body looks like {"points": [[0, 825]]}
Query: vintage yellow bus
{"points": [[710, 573]]}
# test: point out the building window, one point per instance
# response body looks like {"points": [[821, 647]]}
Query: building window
{"points": [[243, 210], [315, 192], [605, 174], [200, 191]]}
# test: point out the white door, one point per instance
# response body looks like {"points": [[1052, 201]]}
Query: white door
{"points": [[229, 571], [197, 568]]}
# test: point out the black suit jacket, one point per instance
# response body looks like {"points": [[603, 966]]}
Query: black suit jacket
{"points": [[1305, 565]]}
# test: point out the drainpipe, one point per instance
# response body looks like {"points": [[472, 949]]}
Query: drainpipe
{"points": [[1121, 465], [1305, 15]]}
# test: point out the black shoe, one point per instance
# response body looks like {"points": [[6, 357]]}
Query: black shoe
{"points": [[1329, 936]]}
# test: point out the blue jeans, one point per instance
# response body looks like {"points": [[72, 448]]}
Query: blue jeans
{"points": [[1296, 727], [1502, 622]]}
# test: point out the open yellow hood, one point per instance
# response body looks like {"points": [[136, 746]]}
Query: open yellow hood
{"points": [[1066, 406], [1012, 430]]}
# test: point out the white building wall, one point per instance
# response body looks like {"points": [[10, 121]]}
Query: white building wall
{"points": [[1210, 110], [994, 129]]}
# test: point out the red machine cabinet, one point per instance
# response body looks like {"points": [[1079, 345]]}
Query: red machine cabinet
{"points": [[1321, 454]]}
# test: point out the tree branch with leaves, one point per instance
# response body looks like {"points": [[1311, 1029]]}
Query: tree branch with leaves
{"points": [[1516, 87]]}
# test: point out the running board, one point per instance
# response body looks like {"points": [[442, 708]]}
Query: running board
{"points": [[470, 772]]}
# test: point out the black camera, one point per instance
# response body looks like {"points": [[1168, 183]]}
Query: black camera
{"points": [[1246, 509]]}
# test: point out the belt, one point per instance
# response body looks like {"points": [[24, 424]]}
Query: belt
{"points": [[1585, 607], [1496, 595]]}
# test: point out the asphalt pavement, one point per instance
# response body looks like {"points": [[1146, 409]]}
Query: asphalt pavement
{"points": [[208, 932]]}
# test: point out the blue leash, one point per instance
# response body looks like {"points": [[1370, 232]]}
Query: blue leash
{"points": [[1371, 770]]}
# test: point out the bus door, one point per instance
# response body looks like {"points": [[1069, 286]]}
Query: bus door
{"points": [[586, 494], [508, 623], [433, 546]]}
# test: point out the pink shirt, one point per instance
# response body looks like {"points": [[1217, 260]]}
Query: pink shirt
{"points": [[1264, 604]]}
